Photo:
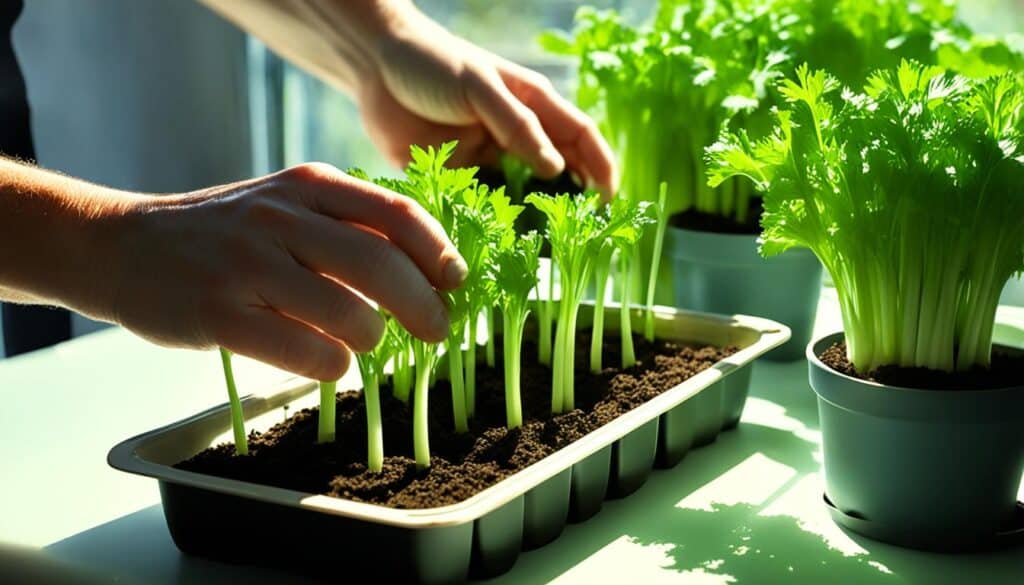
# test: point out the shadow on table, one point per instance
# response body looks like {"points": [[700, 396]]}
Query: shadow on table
{"points": [[137, 548]]}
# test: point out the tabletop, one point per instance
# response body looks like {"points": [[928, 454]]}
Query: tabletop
{"points": [[745, 509]]}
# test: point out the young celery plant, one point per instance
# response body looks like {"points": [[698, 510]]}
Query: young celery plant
{"points": [[602, 270], [576, 231], [517, 173], [625, 222], [327, 415], [516, 274], [425, 355], [371, 368], [545, 316], [498, 217], [661, 213], [401, 361], [629, 220], [235, 405]]}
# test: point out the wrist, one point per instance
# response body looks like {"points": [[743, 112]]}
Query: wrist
{"points": [[60, 241]]}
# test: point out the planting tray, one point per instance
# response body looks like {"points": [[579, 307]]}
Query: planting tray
{"points": [[482, 536]]}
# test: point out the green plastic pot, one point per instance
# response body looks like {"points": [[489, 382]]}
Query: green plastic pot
{"points": [[724, 274], [546, 510], [589, 484], [735, 389], [708, 414], [928, 469], [497, 539], [633, 459]]}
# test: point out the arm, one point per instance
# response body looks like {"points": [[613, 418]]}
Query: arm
{"points": [[416, 83], [268, 268]]}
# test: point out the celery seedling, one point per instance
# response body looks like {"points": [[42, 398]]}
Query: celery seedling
{"points": [[326, 418], [659, 240], [910, 195], [545, 316], [401, 361], [516, 275], [576, 231], [371, 368], [624, 225], [425, 355], [490, 219], [234, 405]]}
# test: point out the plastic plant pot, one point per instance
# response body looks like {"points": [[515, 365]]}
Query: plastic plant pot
{"points": [[724, 274], [547, 510], [928, 469], [590, 484], [735, 390], [478, 537], [633, 459]]}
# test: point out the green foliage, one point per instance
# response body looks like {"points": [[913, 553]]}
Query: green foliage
{"points": [[235, 405], [371, 369], [577, 232], [625, 221], [664, 91], [909, 192], [516, 275]]}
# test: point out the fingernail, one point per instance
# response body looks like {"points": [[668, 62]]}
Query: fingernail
{"points": [[551, 154], [577, 180], [441, 324], [455, 271]]}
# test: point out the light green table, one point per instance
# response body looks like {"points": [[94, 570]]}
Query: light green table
{"points": [[746, 509]]}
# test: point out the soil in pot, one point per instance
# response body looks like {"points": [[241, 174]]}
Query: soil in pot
{"points": [[288, 456], [691, 219], [1006, 371]]}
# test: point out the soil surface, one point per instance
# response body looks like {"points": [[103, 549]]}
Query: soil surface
{"points": [[288, 456], [1006, 371], [691, 219]]}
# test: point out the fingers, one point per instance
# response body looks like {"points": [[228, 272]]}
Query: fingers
{"points": [[324, 304], [330, 192], [268, 336], [573, 132], [514, 126], [374, 266]]}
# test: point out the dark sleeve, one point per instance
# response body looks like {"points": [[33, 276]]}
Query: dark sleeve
{"points": [[15, 129], [25, 328]]}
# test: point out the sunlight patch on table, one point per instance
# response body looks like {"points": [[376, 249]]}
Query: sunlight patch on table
{"points": [[769, 414], [803, 502], [626, 561], [752, 481]]}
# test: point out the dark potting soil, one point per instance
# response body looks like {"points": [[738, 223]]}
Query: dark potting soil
{"points": [[1006, 371], [288, 456], [691, 219]]}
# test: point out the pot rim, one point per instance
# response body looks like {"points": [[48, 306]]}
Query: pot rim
{"points": [[812, 357], [933, 406]]}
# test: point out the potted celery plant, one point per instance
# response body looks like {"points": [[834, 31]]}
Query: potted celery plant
{"points": [[910, 195], [662, 93]]}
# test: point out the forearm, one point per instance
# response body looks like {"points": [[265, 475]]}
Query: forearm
{"points": [[335, 40], [54, 231]]}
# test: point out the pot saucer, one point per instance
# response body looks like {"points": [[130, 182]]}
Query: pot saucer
{"points": [[907, 537]]}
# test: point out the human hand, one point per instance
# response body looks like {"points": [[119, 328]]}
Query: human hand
{"points": [[276, 268], [433, 87]]}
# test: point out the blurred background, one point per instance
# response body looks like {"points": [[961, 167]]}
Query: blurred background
{"points": [[164, 96]]}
